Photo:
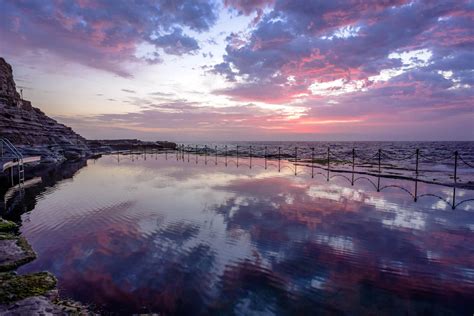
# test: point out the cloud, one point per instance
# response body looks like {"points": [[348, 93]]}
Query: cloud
{"points": [[368, 116], [247, 6], [176, 43], [104, 34], [301, 49]]}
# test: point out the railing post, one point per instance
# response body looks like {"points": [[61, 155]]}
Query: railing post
{"points": [[250, 157], [378, 178], [353, 165], [265, 155], [327, 178], [416, 173], [226, 155], [188, 148], [380, 159], [215, 150], [312, 162], [455, 178], [205, 154], [279, 148], [237, 156], [196, 154], [296, 158]]}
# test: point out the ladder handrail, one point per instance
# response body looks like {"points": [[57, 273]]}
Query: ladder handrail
{"points": [[19, 157], [21, 168], [12, 148]]}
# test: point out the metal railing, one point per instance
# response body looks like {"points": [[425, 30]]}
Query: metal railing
{"points": [[353, 165], [358, 163], [17, 157]]}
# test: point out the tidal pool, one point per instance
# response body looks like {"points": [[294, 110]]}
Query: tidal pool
{"points": [[129, 235]]}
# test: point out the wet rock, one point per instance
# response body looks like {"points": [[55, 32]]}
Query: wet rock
{"points": [[41, 305], [14, 251], [7, 226], [31, 294], [15, 287]]}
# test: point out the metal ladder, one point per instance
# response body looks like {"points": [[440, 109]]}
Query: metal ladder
{"points": [[18, 157]]}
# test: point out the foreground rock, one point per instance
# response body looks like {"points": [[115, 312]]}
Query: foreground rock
{"points": [[18, 287], [43, 305], [14, 251], [7, 226], [34, 294]]}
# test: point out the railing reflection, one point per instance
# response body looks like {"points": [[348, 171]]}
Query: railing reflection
{"points": [[351, 166]]}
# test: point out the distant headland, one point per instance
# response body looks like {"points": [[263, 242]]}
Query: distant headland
{"points": [[36, 134]]}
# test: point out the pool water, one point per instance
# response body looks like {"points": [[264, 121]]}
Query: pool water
{"points": [[131, 234]]}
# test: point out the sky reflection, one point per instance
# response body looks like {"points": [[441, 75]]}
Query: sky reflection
{"points": [[170, 236]]}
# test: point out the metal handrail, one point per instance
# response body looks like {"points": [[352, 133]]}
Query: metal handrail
{"points": [[12, 148], [19, 158]]}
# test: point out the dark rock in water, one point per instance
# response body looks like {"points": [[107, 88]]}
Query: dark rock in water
{"points": [[30, 129]]}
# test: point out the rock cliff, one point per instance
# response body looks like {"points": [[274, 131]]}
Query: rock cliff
{"points": [[30, 129]]}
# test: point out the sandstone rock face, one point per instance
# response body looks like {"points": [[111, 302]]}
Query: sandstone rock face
{"points": [[8, 93], [30, 128]]}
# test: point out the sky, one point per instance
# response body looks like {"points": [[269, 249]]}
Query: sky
{"points": [[184, 70]]}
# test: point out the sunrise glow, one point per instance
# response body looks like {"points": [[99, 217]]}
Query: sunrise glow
{"points": [[235, 70]]}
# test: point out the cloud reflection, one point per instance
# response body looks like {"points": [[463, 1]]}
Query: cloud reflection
{"points": [[217, 240]]}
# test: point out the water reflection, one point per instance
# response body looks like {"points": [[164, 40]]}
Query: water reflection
{"points": [[169, 236]]}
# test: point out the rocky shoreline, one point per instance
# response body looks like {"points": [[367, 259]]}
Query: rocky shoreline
{"points": [[34, 134], [30, 294]]}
